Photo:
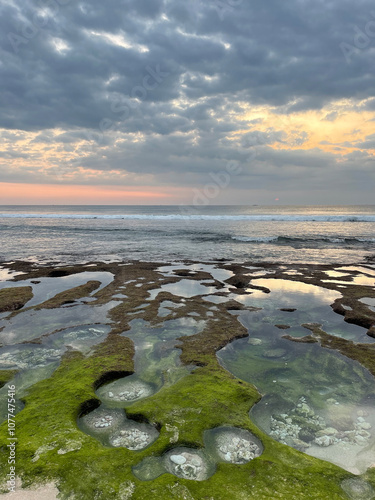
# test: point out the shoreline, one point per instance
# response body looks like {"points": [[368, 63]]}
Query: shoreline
{"points": [[156, 294]]}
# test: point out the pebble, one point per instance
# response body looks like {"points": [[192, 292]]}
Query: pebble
{"points": [[178, 459], [104, 422], [133, 439], [295, 434]]}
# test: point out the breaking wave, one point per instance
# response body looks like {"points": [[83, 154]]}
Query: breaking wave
{"points": [[185, 216]]}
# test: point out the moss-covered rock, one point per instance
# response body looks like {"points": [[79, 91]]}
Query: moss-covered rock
{"points": [[12, 299]]}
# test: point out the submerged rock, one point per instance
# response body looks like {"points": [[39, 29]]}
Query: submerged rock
{"points": [[132, 438], [275, 353], [255, 341], [178, 459], [302, 427], [357, 489], [126, 390], [188, 464], [236, 446]]}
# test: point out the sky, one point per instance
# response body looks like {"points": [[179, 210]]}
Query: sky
{"points": [[199, 102]]}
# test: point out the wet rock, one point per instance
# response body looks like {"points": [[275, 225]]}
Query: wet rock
{"points": [[357, 489], [300, 444], [324, 440], [328, 431], [365, 425]]}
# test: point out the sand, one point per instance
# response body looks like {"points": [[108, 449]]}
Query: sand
{"points": [[45, 492]]}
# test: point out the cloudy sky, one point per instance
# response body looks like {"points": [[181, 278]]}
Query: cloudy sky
{"points": [[159, 101]]}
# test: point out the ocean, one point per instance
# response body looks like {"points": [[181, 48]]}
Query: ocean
{"points": [[284, 234]]}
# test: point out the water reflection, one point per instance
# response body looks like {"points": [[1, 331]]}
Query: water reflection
{"points": [[47, 288], [157, 360], [311, 304], [184, 288], [30, 325]]}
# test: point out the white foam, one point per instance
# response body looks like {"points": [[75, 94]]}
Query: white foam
{"points": [[285, 218]]}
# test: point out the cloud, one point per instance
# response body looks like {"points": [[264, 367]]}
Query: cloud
{"points": [[165, 88]]}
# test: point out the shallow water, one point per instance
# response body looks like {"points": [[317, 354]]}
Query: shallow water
{"points": [[369, 302], [49, 287], [285, 371], [113, 429], [157, 357], [312, 304], [30, 325], [185, 288]]}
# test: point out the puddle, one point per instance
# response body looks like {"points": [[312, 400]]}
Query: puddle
{"points": [[216, 272], [316, 379], [294, 292], [30, 325], [22, 381], [37, 362], [265, 272], [182, 462], [359, 269], [112, 428], [47, 288], [166, 307], [216, 299], [157, 360], [232, 445], [369, 302], [188, 463], [25, 357], [7, 274], [81, 338], [336, 274], [125, 391], [356, 280], [184, 288], [311, 304]]}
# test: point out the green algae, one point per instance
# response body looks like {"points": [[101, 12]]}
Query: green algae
{"points": [[6, 376]]}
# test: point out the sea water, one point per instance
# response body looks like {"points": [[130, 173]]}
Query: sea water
{"points": [[289, 234]]}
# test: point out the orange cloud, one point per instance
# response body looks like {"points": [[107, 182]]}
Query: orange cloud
{"points": [[53, 194], [335, 128]]}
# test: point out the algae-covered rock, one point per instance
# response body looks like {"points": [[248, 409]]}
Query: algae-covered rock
{"points": [[12, 299]]}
